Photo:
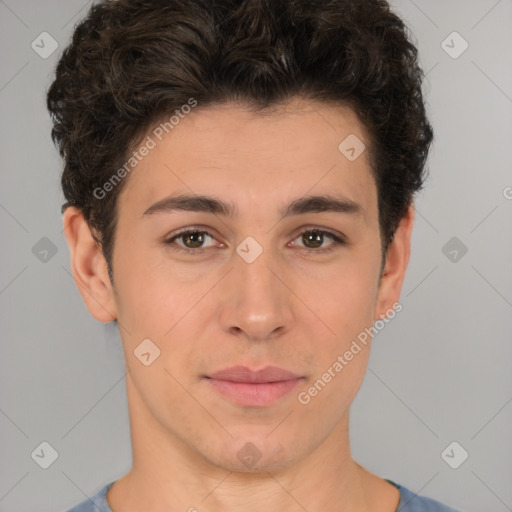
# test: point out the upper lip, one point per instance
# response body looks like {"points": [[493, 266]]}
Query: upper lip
{"points": [[244, 374]]}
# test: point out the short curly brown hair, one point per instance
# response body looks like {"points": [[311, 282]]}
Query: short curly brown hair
{"points": [[131, 63]]}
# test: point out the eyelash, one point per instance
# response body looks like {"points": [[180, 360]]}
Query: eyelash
{"points": [[338, 241]]}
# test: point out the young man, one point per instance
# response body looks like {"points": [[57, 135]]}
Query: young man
{"points": [[239, 178]]}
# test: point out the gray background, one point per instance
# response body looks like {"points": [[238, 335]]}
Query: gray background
{"points": [[440, 372]]}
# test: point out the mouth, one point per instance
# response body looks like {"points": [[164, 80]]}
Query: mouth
{"points": [[251, 388]]}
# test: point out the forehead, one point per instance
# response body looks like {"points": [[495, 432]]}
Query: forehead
{"points": [[247, 157]]}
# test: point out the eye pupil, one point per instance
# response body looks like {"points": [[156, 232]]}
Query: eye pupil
{"points": [[316, 240], [192, 241], [197, 243]]}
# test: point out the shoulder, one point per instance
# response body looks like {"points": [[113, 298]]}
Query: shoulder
{"points": [[96, 503], [412, 502]]}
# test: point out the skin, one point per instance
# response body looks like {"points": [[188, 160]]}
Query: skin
{"points": [[292, 307]]}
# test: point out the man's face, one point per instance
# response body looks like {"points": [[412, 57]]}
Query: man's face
{"points": [[295, 305]]}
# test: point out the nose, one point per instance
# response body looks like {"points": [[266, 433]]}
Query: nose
{"points": [[257, 304]]}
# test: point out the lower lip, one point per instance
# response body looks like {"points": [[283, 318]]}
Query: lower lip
{"points": [[254, 395]]}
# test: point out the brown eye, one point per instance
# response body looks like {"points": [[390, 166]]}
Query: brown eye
{"points": [[314, 239], [192, 240]]}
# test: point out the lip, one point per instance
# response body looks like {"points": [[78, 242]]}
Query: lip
{"points": [[254, 388], [244, 374]]}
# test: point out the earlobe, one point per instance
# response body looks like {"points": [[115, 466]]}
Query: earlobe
{"points": [[397, 260], [89, 267]]}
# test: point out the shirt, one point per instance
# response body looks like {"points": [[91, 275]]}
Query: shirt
{"points": [[409, 502]]}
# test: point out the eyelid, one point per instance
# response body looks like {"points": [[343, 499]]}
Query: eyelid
{"points": [[312, 227], [339, 238], [190, 229]]}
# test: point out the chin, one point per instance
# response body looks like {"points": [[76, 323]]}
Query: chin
{"points": [[254, 455]]}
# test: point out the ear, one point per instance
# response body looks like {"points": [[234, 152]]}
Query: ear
{"points": [[397, 259], [89, 267]]}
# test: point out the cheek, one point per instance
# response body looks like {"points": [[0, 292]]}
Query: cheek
{"points": [[344, 296], [346, 306], [345, 302], [159, 301], [155, 294], [148, 296], [324, 401]]}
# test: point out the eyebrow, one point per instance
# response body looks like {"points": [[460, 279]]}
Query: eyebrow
{"points": [[299, 206]]}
